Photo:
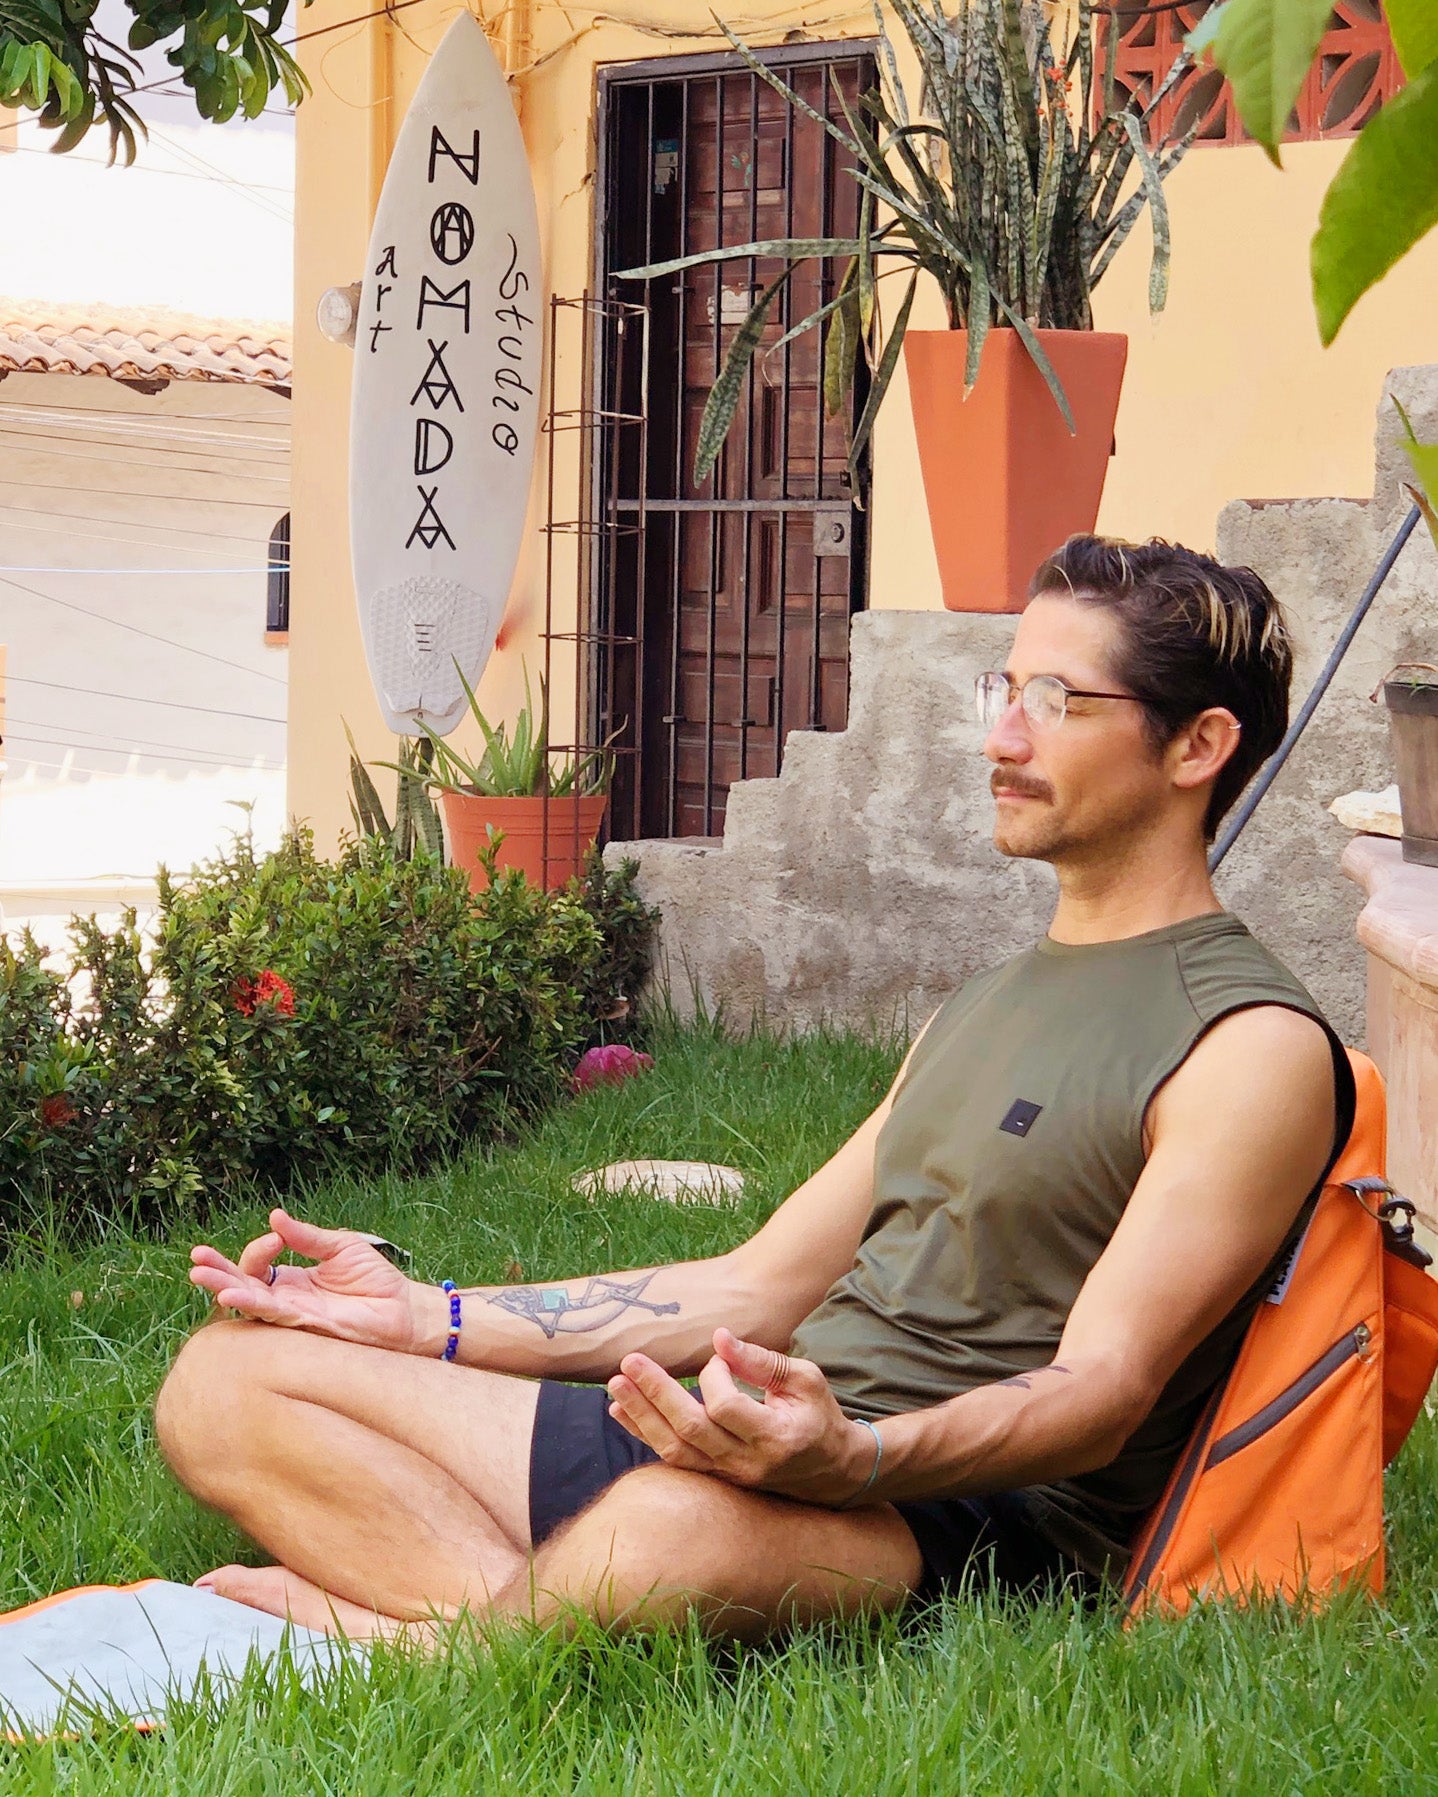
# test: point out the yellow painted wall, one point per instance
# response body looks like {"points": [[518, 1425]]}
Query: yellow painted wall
{"points": [[1228, 394]]}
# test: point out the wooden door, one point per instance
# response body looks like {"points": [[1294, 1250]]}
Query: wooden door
{"points": [[749, 580]]}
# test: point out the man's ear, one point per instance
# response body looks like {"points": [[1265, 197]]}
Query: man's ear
{"points": [[1203, 747]]}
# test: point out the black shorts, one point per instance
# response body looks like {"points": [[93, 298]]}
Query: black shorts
{"points": [[579, 1451]]}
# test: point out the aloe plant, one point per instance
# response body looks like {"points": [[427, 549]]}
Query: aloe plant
{"points": [[1009, 193], [516, 761]]}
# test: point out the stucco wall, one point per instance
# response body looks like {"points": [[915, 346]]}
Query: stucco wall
{"points": [[1228, 395]]}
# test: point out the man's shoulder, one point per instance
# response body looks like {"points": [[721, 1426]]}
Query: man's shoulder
{"points": [[1229, 969], [1267, 1057]]}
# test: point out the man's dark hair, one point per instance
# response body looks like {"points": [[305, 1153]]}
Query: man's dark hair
{"points": [[1192, 634]]}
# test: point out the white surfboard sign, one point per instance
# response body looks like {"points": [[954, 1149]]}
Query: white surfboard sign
{"points": [[444, 410]]}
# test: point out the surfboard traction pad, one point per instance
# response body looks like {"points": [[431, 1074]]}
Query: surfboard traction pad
{"points": [[422, 626], [125, 1652]]}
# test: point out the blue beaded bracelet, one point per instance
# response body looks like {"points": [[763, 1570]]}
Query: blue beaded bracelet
{"points": [[451, 1346]]}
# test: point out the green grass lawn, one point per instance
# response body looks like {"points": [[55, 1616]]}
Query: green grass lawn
{"points": [[984, 1697]]}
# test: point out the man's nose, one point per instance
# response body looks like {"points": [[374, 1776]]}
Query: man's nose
{"points": [[1010, 739]]}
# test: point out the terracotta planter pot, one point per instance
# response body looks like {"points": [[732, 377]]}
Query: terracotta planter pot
{"points": [[546, 839], [1005, 481], [1413, 728]]}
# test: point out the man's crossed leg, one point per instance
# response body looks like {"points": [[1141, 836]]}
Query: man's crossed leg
{"points": [[393, 1490]]}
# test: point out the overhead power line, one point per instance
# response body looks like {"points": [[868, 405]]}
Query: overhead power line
{"points": [[151, 636], [137, 743], [302, 37], [95, 692], [53, 486], [166, 462], [127, 414], [140, 424], [181, 174], [45, 511], [188, 573], [212, 172], [126, 543], [240, 764]]}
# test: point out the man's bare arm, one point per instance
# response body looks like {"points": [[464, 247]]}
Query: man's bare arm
{"points": [[568, 1329], [581, 1328], [1207, 1216], [1240, 1136]]}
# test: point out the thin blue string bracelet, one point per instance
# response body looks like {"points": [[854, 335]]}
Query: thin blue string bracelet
{"points": [[868, 1485], [451, 1345]]}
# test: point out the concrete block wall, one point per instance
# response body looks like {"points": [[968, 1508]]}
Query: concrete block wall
{"points": [[861, 886]]}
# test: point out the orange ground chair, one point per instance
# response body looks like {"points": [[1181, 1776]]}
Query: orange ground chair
{"points": [[1280, 1490]]}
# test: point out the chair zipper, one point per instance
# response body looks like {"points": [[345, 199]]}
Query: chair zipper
{"points": [[1354, 1342]]}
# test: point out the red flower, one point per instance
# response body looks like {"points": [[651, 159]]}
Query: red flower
{"points": [[56, 1111], [608, 1066], [268, 989]]}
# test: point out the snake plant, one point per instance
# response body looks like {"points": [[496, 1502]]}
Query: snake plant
{"points": [[1005, 185], [415, 828]]}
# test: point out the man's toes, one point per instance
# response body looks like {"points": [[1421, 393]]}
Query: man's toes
{"points": [[279, 1592], [267, 1588]]}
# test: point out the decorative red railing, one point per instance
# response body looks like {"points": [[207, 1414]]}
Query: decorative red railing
{"points": [[1355, 71]]}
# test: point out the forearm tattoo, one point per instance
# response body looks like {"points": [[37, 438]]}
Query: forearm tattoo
{"points": [[1024, 1380], [601, 1302]]}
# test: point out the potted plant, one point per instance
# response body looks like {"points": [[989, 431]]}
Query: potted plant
{"points": [[1013, 193], [1411, 695], [1410, 691], [515, 801]]}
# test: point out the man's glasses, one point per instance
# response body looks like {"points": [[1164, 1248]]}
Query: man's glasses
{"points": [[1044, 698]]}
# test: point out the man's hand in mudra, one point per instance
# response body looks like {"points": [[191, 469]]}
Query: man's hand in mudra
{"points": [[351, 1292], [796, 1442]]}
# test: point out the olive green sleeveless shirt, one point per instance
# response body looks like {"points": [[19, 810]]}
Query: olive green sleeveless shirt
{"points": [[1003, 1169]]}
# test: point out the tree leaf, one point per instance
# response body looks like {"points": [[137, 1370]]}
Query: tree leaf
{"points": [[793, 249], [883, 374], [1413, 26], [1206, 30], [781, 87], [840, 350], [1382, 200], [1157, 212], [1265, 48], [977, 322], [1424, 457], [1426, 509], [817, 316], [865, 262], [366, 806], [723, 400]]}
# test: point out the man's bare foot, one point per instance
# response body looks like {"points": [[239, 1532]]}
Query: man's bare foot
{"points": [[279, 1592]]}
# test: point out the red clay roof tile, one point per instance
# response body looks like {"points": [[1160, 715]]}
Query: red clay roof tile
{"points": [[139, 343]]}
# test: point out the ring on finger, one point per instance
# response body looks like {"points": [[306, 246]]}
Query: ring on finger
{"points": [[272, 1275], [780, 1375]]}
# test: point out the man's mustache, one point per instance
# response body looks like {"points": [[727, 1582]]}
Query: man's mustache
{"points": [[1015, 781]]}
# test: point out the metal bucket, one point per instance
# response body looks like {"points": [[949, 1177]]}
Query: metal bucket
{"points": [[1413, 727]]}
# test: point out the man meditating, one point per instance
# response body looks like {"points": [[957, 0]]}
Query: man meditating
{"points": [[971, 1345]]}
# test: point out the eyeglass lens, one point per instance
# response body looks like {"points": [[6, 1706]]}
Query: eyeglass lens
{"points": [[1043, 698]]}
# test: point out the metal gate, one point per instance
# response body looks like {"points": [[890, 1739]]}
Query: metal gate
{"points": [[748, 582]]}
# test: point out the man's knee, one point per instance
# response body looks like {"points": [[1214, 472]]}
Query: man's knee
{"points": [[202, 1402], [656, 1530]]}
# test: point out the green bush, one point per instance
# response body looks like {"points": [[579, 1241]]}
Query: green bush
{"points": [[292, 1016]]}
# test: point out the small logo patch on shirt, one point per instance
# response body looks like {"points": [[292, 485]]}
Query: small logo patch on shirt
{"points": [[1020, 1118]]}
